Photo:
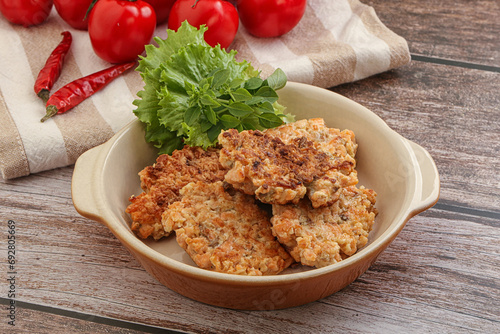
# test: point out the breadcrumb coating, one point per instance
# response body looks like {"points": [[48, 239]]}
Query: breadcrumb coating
{"points": [[162, 183], [283, 164], [322, 236], [340, 146], [211, 199], [225, 231], [263, 165]]}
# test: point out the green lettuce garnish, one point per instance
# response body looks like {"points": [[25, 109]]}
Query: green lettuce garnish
{"points": [[192, 91]]}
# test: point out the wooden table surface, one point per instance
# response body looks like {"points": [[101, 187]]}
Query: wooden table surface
{"points": [[440, 275]]}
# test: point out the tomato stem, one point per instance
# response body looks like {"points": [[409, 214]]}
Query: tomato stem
{"points": [[92, 4], [195, 2]]}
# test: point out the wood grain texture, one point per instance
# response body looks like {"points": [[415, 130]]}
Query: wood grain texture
{"points": [[453, 113], [460, 30], [42, 322], [440, 275]]}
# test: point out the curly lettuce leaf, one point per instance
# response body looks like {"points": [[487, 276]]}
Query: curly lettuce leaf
{"points": [[193, 91]]}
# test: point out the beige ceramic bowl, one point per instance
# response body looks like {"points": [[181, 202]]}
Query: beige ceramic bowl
{"points": [[400, 171]]}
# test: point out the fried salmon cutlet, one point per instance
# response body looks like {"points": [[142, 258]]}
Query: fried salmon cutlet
{"points": [[283, 164], [263, 165], [162, 182], [225, 231], [212, 199], [340, 146], [322, 236]]}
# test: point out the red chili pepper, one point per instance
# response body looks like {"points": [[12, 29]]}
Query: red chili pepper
{"points": [[78, 90], [52, 68]]}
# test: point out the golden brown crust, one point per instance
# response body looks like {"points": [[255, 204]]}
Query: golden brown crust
{"points": [[281, 165], [264, 165], [339, 144], [340, 147], [322, 236], [162, 183], [304, 169], [225, 231]]}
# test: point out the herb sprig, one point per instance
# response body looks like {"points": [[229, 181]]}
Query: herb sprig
{"points": [[193, 91]]}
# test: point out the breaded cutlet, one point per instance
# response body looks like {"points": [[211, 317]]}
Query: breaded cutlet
{"points": [[340, 146], [263, 165], [321, 236], [225, 231], [283, 164], [162, 182]]}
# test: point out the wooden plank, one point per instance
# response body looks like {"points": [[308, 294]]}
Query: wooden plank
{"points": [[439, 254], [458, 30], [452, 112], [409, 282], [40, 322], [414, 102], [410, 285]]}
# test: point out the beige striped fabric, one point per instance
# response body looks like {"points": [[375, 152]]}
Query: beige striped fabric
{"points": [[337, 41]]}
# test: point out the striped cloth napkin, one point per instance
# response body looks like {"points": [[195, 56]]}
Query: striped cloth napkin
{"points": [[337, 41]]}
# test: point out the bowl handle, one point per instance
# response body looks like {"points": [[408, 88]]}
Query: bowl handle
{"points": [[83, 184], [429, 179]]}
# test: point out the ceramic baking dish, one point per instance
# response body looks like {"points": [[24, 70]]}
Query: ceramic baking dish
{"points": [[401, 172]]}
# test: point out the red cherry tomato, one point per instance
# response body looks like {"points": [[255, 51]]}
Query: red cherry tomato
{"points": [[162, 9], [73, 12], [119, 29], [26, 12], [270, 18], [220, 17]]}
